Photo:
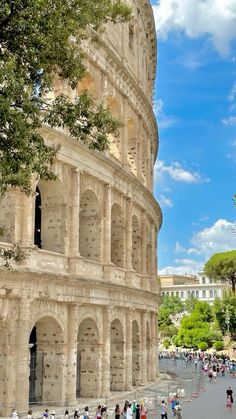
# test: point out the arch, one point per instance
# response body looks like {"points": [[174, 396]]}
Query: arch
{"points": [[211, 293], [197, 294], [136, 349], [136, 244], [203, 294], [115, 144], [47, 361], [117, 236], [88, 359], [89, 83], [53, 215], [177, 294], [148, 352], [38, 219], [117, 365], [90, 226], [182, 294], [132, 146]]}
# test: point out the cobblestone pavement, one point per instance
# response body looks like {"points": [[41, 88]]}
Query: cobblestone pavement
{"points": [[208, 400]]}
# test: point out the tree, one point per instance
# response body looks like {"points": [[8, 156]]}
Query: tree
{"points": [[190, 303], [222, 266], [173, 304], [225, 312], [41, 40]]}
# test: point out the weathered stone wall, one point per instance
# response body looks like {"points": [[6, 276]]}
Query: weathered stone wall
{"points": [[78, 315]]}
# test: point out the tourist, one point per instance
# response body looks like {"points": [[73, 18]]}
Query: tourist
{"points": [[99, 412], [173, 403], [76, 414], [45, 414], [14, 414], [66, 414], [124, 411], [30, 414], [178, 410], [163, 410], [117, 412], [134, 408], [143, 413], [104, 413], [86, 412], [229, 393], [53, 413], [129, 413], [138, 410], [229, 404]]}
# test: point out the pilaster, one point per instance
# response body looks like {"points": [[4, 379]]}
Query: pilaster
{"points": [[70, 395], [107, 226], [129, 264], [143, 348], [75, 209], [128, 350], [106, 352]]}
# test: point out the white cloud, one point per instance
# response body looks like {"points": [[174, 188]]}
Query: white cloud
{"points": [[216, 18], [231, 120], [177, 172], [232, 94], [164, 121], [165, 202], [219, 237], [185, 267]]}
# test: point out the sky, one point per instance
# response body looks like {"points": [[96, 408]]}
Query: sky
{"points": [[195, 107]]}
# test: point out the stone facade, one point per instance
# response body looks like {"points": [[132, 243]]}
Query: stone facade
{"points": [[78, 315]]}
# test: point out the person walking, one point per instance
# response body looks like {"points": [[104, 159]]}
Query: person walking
{"points": [[138, 410], [178, 410], [134, 408], [229, 393], [30, 414], [117, 411], [129, 413], [228, 404], [163, 410], [99, 412]]}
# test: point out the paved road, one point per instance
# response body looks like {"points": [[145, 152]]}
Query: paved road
{"points": [[210, 402]]}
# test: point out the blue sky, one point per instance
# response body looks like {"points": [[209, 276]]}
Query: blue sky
{"points": [[195, 105]]}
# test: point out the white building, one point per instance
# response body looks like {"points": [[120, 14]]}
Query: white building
{"points": [[185, 286]]}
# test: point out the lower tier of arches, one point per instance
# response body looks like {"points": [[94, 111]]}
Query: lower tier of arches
{"points": [[55, 352]]}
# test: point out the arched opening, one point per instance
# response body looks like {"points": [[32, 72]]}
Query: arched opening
{"points": [[88, 360], [136, 371], [114, 142], [136, 244], [90, 226], [53, 216], [117, 236], [46, 345], [148, 350], [38, 219], [117, 372], [132, 146]]}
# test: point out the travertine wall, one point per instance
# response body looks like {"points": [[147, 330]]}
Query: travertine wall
{"points": [[78, 315]]}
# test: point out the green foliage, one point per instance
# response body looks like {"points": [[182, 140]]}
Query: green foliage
{"points": [[198, 327], [222, 266], [176, 341], [169, 331], [218, 345], [13, 254], [225, 312], [173, 304], [38, 40], [190, 304], [166, 343], [202, 346]]}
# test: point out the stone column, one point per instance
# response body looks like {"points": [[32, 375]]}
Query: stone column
{"points": [[107, 226], [139, 157], [106, 370], [153, 346], [153, 254], [143, 348], [143, 245], [129, 244], [23, 357], [125, 135], [128, 351], [72, 355], [75, 209], [27, 220]]}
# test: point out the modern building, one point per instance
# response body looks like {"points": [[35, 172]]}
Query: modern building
{"points": [[185, 286], [78, 314]]}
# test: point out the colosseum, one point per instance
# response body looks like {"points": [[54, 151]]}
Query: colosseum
{"points": [[79, 313]]}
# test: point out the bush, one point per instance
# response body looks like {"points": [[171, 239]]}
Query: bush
{"points": [[202, 346], [166, 343], [218, 345]]}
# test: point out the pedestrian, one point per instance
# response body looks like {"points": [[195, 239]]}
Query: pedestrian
{"points": [[66, 414], [124, 411], [129, 413], [14, 414], [99, 412], [134, 408], [117, 412], [228, 404], [229, 393], [163, 409], [53, 414], [104, 413], [178, 410], [86, 412], [138, 410], [45, 414], [143, 413], [30, 414], [173, 403]]}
